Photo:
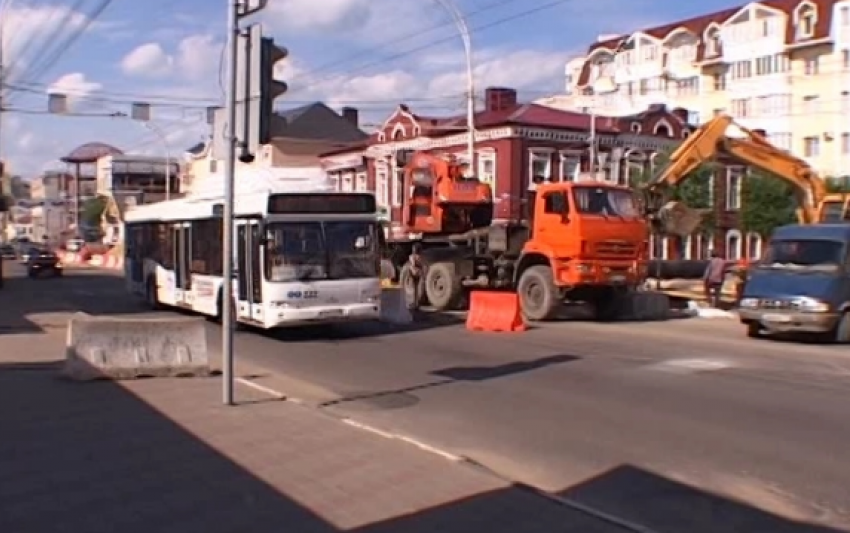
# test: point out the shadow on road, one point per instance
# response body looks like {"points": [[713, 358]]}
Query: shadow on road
{"points": [[404, 397], [94, 457], [661, 504], [88, 291]]}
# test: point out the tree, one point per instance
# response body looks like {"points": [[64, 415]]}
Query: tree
{"points": [[92, 211], [767, 202]]}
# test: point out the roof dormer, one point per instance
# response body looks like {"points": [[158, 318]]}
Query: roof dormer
{"points": [[713, 42], [805, 20]]}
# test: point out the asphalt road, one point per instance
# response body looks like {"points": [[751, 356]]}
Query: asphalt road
{"points": [[623, 417]]}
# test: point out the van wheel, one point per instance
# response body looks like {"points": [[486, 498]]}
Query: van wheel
{"points": [[754, 330], [841, 332], [442, 286], [538, 295]]}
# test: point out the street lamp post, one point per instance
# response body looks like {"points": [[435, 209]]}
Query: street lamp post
{"points": [[164, 138], [463, 30]]}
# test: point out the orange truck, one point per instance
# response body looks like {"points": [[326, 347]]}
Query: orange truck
{"points": [[578, 241]]}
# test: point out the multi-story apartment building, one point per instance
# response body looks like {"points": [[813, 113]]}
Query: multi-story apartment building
{"points": [[782, 66]]}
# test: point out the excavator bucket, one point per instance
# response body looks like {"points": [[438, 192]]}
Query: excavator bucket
{"points": [[676, 218]]}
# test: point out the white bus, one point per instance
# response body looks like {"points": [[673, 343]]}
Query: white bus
{"points": [[300, 257]]}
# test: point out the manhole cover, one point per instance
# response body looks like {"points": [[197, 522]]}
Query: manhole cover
{"points": [[374, 401]]}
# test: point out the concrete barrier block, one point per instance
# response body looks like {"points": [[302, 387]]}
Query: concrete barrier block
{"points": [[394, 308], [128, 347]]}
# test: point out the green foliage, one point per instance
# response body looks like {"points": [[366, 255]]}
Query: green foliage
{"points": [[767, 202], [92, 211], [838, 185]]}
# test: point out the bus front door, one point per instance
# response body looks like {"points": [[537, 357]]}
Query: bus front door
{"points": [[249, 302], [182, 241]]}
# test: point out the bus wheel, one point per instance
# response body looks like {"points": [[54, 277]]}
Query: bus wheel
{"points": [[150, 295]]}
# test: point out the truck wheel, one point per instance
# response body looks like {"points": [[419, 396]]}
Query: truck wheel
{"points": [[414, 289], [538, 295], [442, 286], [607, 306]]}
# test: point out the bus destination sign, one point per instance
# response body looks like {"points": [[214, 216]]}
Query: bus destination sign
{"points": [[322, 203]]}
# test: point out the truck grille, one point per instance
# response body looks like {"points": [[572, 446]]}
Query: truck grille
{"points": [[615, 249]]}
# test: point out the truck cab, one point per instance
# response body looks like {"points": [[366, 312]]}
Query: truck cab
{"points": [[802, 285]]}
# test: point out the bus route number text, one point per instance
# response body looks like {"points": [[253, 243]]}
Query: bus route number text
{"points": [[305, 295]]}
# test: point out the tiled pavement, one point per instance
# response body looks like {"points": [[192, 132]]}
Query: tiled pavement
{"points": [[160, 456]]}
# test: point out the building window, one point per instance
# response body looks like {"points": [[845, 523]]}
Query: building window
{"points": [[845, 101], [636, 127], [733, 245], [347, 181], [540, 166], [734, 179], [687, 86], [398, 187], [487, 169], [712, 42], [844, 16], [845, 59], [845, 143], [811, 146], [806, 17], [382, 185], [741, 108], [812, 66], [720, 82], [754, 245], [333, 177], [742, 69], [361, 183], [570, 167], [658, 247]]}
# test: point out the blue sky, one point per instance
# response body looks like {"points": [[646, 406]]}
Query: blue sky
{"points": [[370, 54]]}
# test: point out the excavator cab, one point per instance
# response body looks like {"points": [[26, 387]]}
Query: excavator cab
{"points": [[442, 195]]}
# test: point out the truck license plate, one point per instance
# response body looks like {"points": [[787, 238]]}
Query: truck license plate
{"points": [[776, 318], [617, 278]]}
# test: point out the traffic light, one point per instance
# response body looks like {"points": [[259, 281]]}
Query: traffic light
{"points": [[270, 88], [257, 90]]}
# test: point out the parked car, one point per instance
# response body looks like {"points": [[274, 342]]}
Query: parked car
{"points": [[41, 261]]}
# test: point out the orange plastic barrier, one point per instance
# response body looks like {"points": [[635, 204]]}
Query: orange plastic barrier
{"points": [[494, 311]]}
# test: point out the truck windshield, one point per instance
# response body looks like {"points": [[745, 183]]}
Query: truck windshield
{"points": [[301, 251], [590, 200], [804, 254], [832, 212]]}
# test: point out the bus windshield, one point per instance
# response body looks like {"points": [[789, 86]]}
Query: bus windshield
{"points": [[302, 251]]}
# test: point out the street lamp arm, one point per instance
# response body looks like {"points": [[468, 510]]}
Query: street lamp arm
{"points": [[466, 37]]}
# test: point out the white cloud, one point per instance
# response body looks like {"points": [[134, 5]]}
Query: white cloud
{"points": [[196, 57], [145, 60], [75, 86]]}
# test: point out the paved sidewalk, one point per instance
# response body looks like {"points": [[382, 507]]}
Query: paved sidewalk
{"points": [[160, 456]]}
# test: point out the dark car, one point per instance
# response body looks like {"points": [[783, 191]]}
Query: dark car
{"points": [[41, 261], [802, 285]]}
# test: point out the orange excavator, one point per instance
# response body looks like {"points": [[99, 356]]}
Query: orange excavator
{"points": [[710, 140], [578, 241]]}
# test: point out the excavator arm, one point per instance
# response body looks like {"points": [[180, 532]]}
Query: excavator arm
{"points": [[754, 151]]}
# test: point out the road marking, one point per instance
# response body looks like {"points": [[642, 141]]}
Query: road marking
{"points": [[691, 366], [265, 390]]}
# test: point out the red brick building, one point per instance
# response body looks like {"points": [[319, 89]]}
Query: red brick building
{"points": [[514, 141]]}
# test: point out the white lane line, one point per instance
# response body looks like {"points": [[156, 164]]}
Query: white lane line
{"points": [[690, 366]]}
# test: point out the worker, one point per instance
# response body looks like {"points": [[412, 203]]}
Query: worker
{"points": [[713, 278], [417, 273]]}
